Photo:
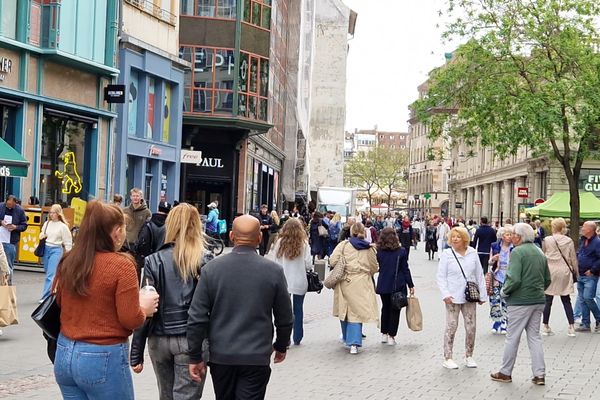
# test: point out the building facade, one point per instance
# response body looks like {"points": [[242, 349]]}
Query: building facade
{"points": [[56, 58], [148, 140]]}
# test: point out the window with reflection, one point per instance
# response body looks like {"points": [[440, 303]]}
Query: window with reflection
{"points": [[225, 9], [253, 81], [257, 13]]}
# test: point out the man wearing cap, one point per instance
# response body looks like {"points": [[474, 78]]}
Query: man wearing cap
{"points": [[212, 221], [152, 235]]}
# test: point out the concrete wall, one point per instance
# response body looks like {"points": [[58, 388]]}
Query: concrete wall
{"points": [[328, 108], [153, 31]]}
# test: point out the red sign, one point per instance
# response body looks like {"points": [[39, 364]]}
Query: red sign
{"points": [[523, 192], [537, 202], [477, 202]]}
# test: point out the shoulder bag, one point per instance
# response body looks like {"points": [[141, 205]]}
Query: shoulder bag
{"points": [[47, 316], [472, 289], [399, 299], [314, 283], [41, 247], [337, 274], [573, 272], [323, 232]]}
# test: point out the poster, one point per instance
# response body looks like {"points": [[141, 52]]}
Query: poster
{"points": [[150, 108], [133, 103], [166, 114]]}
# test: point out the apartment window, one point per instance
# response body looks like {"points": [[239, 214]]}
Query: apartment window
{"points": [[257, 13], [8, 19], [253, 86], [209, 86], [225, 9]]}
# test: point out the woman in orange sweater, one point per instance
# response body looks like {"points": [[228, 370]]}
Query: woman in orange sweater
{"points": [[98, 293]]}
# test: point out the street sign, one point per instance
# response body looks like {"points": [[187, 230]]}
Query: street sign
{"points": [[523, 192], [416, 196], [537, 202], [458, 205], [427, 195]]}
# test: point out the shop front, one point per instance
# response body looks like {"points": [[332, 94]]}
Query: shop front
{"points": [[263, 177]]}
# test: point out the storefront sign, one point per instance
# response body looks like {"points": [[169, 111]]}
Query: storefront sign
{"points": [[71, 181], [523, 192], [5, 67], [191, 156], [589, 181], [154, 151], [114, 94], [458, 205], [4, 171], [212, 161]]}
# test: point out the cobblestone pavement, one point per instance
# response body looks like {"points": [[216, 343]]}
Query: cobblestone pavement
{"points": [[321, 368]]}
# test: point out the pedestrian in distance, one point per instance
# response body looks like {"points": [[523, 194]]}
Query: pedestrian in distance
{"points": [[588, 260], [12, 222], [335, 227], [404, 230], [345, 232], [394, 275], [240, 296], [152, 235], [527, 278], [442, 235], [265, 225], [499, 261], [484, 236], [562, 262], [354, 301], [431, 240], [273, 231], [118, 200], [138, 213], [174, 272], [58, 237], [101, 304], [318, 242], [212, 220], [292, 252], [458, 264]]}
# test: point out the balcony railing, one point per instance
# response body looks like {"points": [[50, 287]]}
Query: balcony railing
{"points": [[149, 7]]}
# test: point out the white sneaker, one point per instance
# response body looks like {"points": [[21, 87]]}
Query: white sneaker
{"points": [[547, 331], [353, 349], [384, 338], [1, 333], [391, 341], [470, 362], [450, 364]]}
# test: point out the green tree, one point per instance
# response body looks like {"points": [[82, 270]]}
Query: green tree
{"points": [[359, 171], [528, 75]]}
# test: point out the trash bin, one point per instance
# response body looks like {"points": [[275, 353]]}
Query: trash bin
{"points": [[31, 237], [320, 268]]}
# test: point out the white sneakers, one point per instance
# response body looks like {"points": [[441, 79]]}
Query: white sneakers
{"points": [[547, 331], [571, 332], [384, 338], [450, 364], [391, 341], [353, 349]]}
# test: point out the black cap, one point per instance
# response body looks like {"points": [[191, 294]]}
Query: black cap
{"points": [[164, 207]]}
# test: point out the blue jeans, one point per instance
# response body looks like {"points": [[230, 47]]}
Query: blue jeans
{"points": [[577, 310], [586, 288], [11, 254], [52, 255], [87, 371], [298, 301], [352, 333]]}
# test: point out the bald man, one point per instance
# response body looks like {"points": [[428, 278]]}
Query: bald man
{"points": [[239, 297], [588, 260]]}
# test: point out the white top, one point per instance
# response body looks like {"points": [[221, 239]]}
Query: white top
{"points": [[57, 234], [295, 270], [451, 281]]}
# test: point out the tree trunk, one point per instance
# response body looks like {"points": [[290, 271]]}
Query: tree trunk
{"points": [[575, 208]]}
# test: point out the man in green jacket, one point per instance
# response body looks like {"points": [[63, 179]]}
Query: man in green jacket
{"points": [[526, 279]]}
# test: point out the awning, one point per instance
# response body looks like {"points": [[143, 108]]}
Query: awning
{"points": [[12, 163]]}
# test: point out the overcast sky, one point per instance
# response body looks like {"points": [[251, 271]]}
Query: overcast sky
{"points": [[396, 43]]}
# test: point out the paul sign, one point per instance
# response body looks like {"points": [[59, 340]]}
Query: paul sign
{"points": [[195, 157]]}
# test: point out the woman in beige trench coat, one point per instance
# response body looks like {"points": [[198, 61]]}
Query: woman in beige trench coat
{"points": [[560, 252], [354, 301]]}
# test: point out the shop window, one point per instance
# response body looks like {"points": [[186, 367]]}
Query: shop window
{"points": [[257, 13], [166, 110], [134, 91], [151, 108], [253, 86], [86, 40], [8, 18], [64, 147], [7, 132], [225, 9]]}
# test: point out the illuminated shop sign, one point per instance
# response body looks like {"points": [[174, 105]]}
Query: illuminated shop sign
{"points": [[71, 181]]}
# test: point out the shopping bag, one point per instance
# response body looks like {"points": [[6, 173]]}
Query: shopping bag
{"points": [[414, 318], [8, 306]]}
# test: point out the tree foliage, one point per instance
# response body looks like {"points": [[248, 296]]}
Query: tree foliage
{"points": [[527, 75]]}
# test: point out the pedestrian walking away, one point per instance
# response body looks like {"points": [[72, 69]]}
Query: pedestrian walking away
{"points": [[12, 222], [484, 236], [459, 264], [152, 235], [318, 233], [240, 296], [273, 231], [499, 260], [431, 241], [292, 252], [562, 263], [526, 279], [394, 275], [101, 305], [174, 272], [588, 260]]}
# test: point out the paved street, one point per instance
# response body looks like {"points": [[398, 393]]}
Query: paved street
{"points": [[322, 369]]}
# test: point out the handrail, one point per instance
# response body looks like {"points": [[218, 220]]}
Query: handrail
{"points": [[150, 8]]}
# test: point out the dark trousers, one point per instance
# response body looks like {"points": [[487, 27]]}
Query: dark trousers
{"points": [[240, 382], [484, 259], [262, 247], [390, 315], [566, 302]]}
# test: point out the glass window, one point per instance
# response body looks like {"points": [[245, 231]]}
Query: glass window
{"points": [[151, 108], [266, 18], [206, 8], [133, 91], [253, 74], [255, 19], [247, 10], [8, 19], [264, 77], [224, 67], [243, 78], [223, 101], [227, 9], [203, 65], [242, 104], [186, 7]]}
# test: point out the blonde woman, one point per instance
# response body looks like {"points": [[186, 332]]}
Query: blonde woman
{"points": [[292, 252], [452, 284], [354, 301], [335, 227], [173, 271], [57, 234], [273, 231], [562, 259]]}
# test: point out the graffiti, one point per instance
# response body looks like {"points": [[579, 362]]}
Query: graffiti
{"points": [[71, 181]]}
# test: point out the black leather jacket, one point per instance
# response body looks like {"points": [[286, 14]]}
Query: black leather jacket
{"points": [[175, 298]]}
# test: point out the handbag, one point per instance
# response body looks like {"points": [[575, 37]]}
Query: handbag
{"points": [[472, 289], [573, 272], [41, 247], [314, 283], [338, 271], [414, 317], [398, 298], [47, 316], [489, 283], [8, 304], [323, 232]]}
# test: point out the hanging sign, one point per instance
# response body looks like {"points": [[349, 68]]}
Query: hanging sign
{"points": [[114, 94]]}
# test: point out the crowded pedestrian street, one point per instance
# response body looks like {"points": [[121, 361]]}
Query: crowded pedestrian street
{"points": [[322, 368]]}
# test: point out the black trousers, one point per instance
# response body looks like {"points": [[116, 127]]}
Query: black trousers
{"points": [[262, 247], [390, 315], [240, 382], [566, 302], [484, 259]]}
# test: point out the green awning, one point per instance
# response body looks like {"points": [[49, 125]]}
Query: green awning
{"points": [[12, 163], [559, 205]]}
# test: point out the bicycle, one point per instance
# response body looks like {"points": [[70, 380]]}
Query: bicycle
{"points": [[214, 243]]}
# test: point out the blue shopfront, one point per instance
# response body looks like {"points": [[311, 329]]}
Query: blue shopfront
{"points": [[148, 139]]}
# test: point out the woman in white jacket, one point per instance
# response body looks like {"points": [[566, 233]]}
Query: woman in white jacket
{"points": [[452, 283], [292, 252]]}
